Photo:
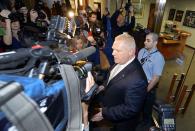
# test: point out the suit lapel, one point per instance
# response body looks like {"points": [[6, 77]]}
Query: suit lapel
{"points": [[121, 75], [109, 73]]}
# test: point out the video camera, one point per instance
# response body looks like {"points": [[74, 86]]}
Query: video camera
{"points": [[128, 5], [60, 28], [127, 9], [58, 93], [164, 116], [16, 16]]}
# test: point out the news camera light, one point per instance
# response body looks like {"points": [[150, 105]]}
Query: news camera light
{"points": [[71, 14]]}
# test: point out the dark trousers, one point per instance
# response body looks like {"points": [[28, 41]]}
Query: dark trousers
{"points": [[149, 102], [129, 126]]}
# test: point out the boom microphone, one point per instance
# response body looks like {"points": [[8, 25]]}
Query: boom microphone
{"points": [[73, 58], [14, 55]]}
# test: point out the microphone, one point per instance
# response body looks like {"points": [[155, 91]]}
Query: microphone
{"points": [[14, 55], [22, 53], [73, 58], [41, 52]]}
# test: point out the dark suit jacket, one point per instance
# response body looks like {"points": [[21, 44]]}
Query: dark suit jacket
{"points": [[124, 97]]}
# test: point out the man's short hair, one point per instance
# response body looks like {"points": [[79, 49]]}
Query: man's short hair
{"points": [[154, 36], [92, 13], [127, 40]]}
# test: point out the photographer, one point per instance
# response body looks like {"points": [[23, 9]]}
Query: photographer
{"points": [[96, 38], [43, 12], [120, 22], [36, 24], [90, 27], [15, 32], [5, 28]]}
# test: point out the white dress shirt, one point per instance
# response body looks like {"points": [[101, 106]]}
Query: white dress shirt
{"points": [[118, 68]]}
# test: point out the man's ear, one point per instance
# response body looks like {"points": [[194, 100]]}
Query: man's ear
{"points": [[155, 42], [131, 52]]}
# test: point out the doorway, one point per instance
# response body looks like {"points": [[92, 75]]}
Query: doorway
{"points": [[151, 18]]}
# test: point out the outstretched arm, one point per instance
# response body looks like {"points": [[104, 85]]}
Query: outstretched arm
{"points": [[7, 38], [89, 84]]}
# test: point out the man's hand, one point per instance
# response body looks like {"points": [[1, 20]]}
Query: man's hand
{"points": [[46, 17], [131, 11], [91, 40], [153, 82], [85, 114], [89, 82], [98, 116], [5, 13]]}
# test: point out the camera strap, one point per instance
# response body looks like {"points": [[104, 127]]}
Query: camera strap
{"points": [[143, 59], [72, 87]]}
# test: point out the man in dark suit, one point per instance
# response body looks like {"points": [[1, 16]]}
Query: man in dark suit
{"points": [[125, 91]]}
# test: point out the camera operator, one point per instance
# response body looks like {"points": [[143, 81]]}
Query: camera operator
{"points": [[36, 24], [90, 26], [120, 22], [95, 38]]}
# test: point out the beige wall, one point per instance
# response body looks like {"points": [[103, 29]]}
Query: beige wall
{"points": [[144, 19]]}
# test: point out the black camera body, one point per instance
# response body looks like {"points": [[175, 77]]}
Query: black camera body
{"points": [[42, 23], [96, 32], [128, 5], [41, 15], [16, 16], [38, 7], [61, 28]]}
